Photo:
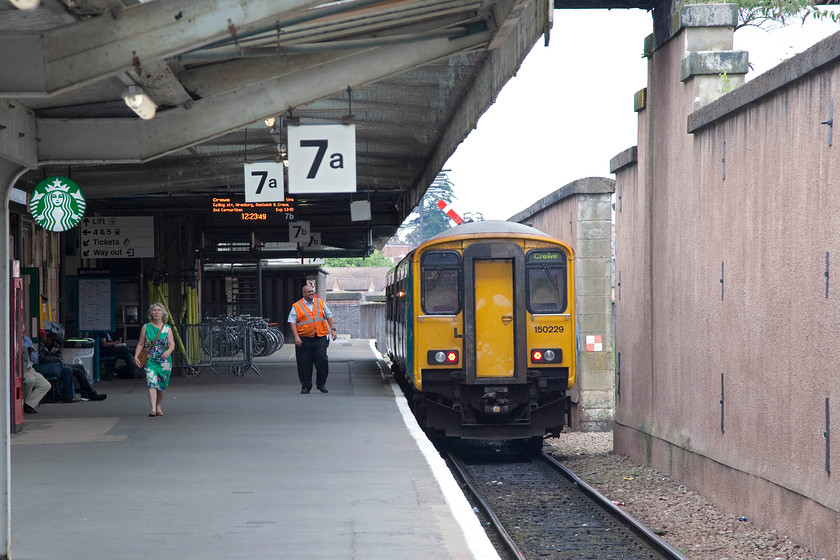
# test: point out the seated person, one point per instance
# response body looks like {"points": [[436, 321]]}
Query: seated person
{"points": [[35, 385], [109, 348], [49, 357]]}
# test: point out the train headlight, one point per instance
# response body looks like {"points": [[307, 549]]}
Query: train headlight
{"points": [[442, 357], [546, 355]]}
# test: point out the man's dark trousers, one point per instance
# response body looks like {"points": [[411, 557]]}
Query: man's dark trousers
{"points": [[313, 351]]}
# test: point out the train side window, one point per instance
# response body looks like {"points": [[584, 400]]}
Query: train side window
{"points": [[546, 279], [441, 282]]}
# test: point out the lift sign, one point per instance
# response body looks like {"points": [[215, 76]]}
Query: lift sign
{"points": [[322, 159]]}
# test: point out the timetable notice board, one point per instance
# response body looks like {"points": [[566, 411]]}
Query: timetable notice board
{"points": [[96, 304]]}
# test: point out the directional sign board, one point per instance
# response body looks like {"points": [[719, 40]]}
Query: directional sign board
{"points": [[322, 158], [117, 237]]}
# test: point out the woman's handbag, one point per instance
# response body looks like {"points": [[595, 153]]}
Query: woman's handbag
{"points": [[144, 353]]}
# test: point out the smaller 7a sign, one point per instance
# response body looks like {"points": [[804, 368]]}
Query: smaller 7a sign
{"points": [[264, 182]]}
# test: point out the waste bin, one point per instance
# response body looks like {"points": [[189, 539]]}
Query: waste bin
{"points": [[80, 351]]}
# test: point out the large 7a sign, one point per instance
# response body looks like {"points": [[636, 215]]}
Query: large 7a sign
{"points": [[322, 158]]}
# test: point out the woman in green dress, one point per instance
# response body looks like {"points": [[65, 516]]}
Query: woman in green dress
{"points": [[159, 365]]}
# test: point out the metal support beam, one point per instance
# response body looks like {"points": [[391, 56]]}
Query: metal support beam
{"points": [[180, 127], [73, 55]]}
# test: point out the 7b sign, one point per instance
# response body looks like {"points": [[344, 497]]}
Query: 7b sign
{"points": [[322, 158]]}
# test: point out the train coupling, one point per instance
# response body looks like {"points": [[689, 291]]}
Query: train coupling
{"points": [[495, 400]]}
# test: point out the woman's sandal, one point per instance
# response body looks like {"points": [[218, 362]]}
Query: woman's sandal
{"points": [[159, 413], [152, 414]]}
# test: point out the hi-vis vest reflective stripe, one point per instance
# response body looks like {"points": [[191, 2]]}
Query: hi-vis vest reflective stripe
{"points": [[311, 323]]}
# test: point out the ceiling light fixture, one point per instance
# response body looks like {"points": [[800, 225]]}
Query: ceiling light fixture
{"points": [[26, 4], [139, 102], [269, 122]]}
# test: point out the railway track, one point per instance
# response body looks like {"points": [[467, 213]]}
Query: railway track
{"points": [[538, 509]]}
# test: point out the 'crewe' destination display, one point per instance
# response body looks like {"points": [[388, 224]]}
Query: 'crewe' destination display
{"points": [[235, 209]]}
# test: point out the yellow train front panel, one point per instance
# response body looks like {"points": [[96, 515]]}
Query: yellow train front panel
{"points": [[489, 331]]}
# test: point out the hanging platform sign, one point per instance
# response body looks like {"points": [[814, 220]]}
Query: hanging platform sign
{"points": [[322, 159], [264, 182], [57, 204]]}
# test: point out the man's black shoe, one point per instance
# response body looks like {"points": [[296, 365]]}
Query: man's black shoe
{"points": [[70, 400], [304, 390], [98, 397], [323, 388], [29, 409]]}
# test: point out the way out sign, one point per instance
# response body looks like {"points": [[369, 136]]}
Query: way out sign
{"points": [[264, 182], [322, 158]]}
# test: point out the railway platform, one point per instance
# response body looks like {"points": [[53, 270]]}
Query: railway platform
{"points": [[239, 467]]}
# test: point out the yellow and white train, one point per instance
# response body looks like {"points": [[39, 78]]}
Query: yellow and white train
{"points": [[481, 331]]}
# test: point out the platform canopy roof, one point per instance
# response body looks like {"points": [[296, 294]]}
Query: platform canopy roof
{"points": [[413, 76]]}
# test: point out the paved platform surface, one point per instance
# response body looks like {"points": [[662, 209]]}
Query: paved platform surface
{"points": [[239, 467]]}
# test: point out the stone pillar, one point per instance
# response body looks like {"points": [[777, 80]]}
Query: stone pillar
{"points": [[593, 284], [580, 214], [709, 60]]}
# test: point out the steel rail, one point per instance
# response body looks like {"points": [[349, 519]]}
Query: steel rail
{"points": [[485, 507], [651, 538]]}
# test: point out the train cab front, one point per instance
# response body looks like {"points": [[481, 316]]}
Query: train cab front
{"points": [[498, 353]]}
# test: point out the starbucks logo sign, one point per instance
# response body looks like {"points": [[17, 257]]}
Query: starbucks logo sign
{"points": [[57, 204]]}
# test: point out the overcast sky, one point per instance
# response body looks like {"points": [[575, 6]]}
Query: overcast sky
{"points": [[569, 109]]}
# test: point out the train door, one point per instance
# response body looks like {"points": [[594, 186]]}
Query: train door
{"points": [[494, 312], [494, 348]]}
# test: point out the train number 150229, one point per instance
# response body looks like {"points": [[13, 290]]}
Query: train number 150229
{"points": [[548, 329]]}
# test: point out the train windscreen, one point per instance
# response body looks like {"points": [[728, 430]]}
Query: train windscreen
{"points": [[546, 279], [441, 282]]}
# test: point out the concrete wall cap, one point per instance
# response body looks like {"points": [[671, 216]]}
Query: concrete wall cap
{"points": [[705, 15], [714, 62], [623, 159], [640, 100], [588, 185], [825, 52]]}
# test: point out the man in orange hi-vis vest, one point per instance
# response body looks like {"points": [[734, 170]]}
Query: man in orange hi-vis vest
{"points": [[312, 324]]}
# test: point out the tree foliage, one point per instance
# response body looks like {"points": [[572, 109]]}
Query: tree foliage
{"points": [[775, 13], [427, 220], [375, 259]]}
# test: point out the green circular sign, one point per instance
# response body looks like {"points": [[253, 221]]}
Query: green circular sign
{"points": [[57, 204]]}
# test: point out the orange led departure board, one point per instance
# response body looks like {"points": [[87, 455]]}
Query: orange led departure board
{"points": [[235, 209]]}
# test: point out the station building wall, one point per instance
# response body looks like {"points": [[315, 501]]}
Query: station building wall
{"points": [[727, 319]]}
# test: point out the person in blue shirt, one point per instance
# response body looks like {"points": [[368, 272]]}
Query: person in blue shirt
{"points": [[49, 357]]}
